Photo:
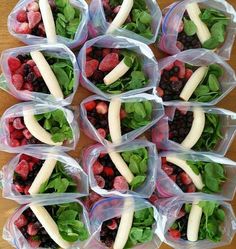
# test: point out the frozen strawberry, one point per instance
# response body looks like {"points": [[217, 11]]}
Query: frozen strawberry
{"points": [[32, 229], [90, 67], [120, 183], [27, 134], [98, 75], [31, 63], [181, 67], [25, 157], [89, 50], [100, 181], [160, 92], [186, 180], [23, 28], [23, 142], [191, 188], [180, 45], [102, 108], [93, 196], [35, 159], [181, 27], [163, 160], [18, 124], [169, 67], [33, 6], [37, 72], [21, 16], [112, 225], [168, 169], [22, 169], [97, 168], [174, 78], [13, 63], [34, 243], [88, 58], [28, 86], [17, 81], [11, 128], [116, 9], [19, 188], [14, 143], [174, 233], [34, 18], [102, 132], [153, 199], [102, 155], [31, 165], [108, 171], [26, 190], [17, 134], [188, 73], [20, 70], [41, 28], [21, 221], [10, 120], [123, 113], [173, 177], [109, 62], [89, 106], [106, 51]]}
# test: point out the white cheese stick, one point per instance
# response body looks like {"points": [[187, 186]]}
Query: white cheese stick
{"points": [[43, 175], [125, 225], [203, 32], [193, 83], [48, 21], [36, 129], [194, 220], [121, 166], [196, 129], [197, 179], [49, 225], [120, 70], [47, 74], [121, 16], [114, 120]]}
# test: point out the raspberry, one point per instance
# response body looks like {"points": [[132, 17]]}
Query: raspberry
{"points": [[27, 134], [17, 81], [174, 233], [109, 62], [11, 128], [181, 66], [174, 78], [34, 18], [108, 171], [31, 165], [22, 169], [100, 181], [173, 177], [24, 141], [102, 132], [23, 28], [112, 225], [13, 63], [21, 16], [32, 229], [120, 183], [186, 180], [97, 168], [20, 70], [188, 73], [19, 188], [26, 190], [93, 196], [191, 188], [21, 221], [163, 160], [25, 157], [91, 67], [14, 143], [18, 124], [102, 108], [89, 106]]}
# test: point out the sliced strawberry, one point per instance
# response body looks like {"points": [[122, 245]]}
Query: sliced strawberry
{"points": [[22, 169], [106, 51], [108, 171], [34, 243], [102, 132], [186, 180], [191, 188], [160, 92], [18, 124], [28, 86], [13, 63], [23, 142], [188, 73], [19, 188], [34, 18], [21, 221], [31, 63], [23, 28], [102, 108], [33, 6], [173, 177], [109, 62], [90, 67], [37, 72], [100, 181], [120, 183], [27, 134], [174, 233], [168, 169], [89, 106], [32, 229], [21, 16], [89, 50], [17, 134], [181, 67], [123, 113], [14, 143], [97, 168], [17, 81], [112, 225]]}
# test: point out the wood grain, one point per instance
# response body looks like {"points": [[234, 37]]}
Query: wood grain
{"points": [[7, 41]]}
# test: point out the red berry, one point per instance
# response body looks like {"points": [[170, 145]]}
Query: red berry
{"points": [[34, 18], [25, 157], [24, 141], [188, 73], [100, 181], [173, 177], [174, 233], [120, 183], [106, 51], [97, 168], [21, 221], [102, 155], [23, 28], [181, 67], [14, 143], [112, 225], [21, 16], [186, 180], [160, 92], [41, 28], [19, 188], [98, 75], [33, 6], [92, 120], [153, 199], [102, 132], [31, 63], [163, 160], [26, 190], [109, 62], [93, 196], [20, 70], [17, 134], [169, 67], [89, 50], [17, 81], [108, 171], [34, 243], [22, 169], [31, 165], [102, 108], [89, 106], [28, 87], [32, 229], [13, 63], [88, 58], [191, 188], [116, 9], [11, 128], [36, 72], [181, 213], [18, 124], [90, 67], [123, 113], [174, 78], [167, 168], [34, 159], [27, 134]]}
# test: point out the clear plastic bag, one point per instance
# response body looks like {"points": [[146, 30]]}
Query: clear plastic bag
{"points": [[113, 207], [149, 63], [14, 236], [169, 209], [166, 187], [91, 132], [17, 111], [98, 24], [58, 51], [203, 57], [71, 167], [173, 15], [80, 35], [160, 131], [145, 190]]}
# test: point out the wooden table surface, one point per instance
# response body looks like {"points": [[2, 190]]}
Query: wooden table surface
{"points": [[7, 41]]}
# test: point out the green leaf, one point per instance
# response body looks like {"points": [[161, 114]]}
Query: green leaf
{"points": [[133, 165], [220, 214], [189, 27], [187, 207], [69, 12], [61, 75], [139, 109], [193, 166], [211, 43], [137, 181], [217, 70], [213, 83], [145, 17], [201, 90]]}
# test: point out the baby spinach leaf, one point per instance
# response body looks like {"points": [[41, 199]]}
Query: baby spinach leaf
{"points": [[213, 83], [137, 181], [189, 27]]}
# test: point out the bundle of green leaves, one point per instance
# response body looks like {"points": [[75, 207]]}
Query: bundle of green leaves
{"points": [[59, 182], [133, 79], [211, 134], [137, 161], [213, 175], [139, 114], [67, 18], [56, 123], [141, 231], [68, 219], [209, 88]]}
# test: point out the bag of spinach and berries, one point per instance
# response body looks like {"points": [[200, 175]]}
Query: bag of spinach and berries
{"points": [[26, 23], [137, 19], [198, 24], [24, 75]]}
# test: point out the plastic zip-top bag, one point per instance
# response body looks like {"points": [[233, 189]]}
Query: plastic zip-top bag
{"points": [[46, 174], [109, 52], [40, 225], [99, 25], [101, 118], [201, 129], [173, 209], [26, 79], [135, 174], [172, 26], [183, 172], [70, 18], [196, 76], [112, 209], [33, 125]]}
